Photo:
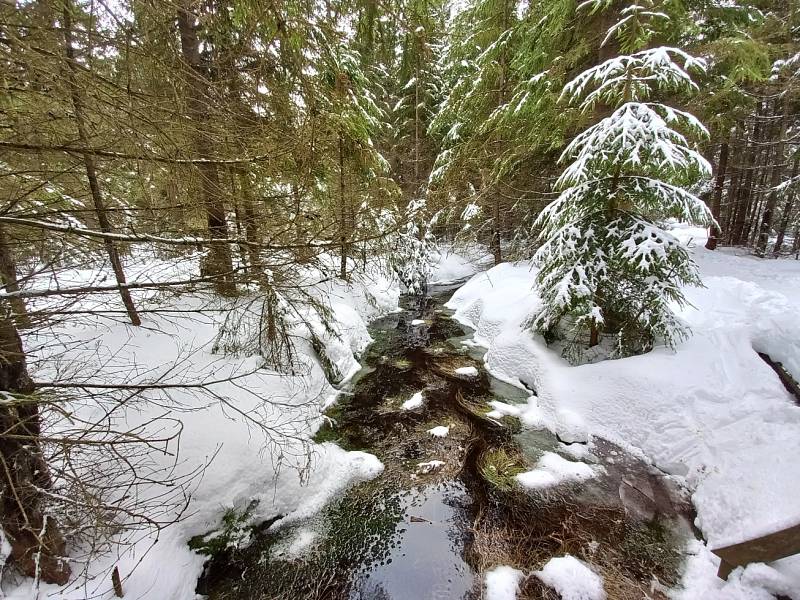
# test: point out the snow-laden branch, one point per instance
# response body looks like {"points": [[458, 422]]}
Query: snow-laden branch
{"points": [[634, 77], [635, 137], [643, 194]]}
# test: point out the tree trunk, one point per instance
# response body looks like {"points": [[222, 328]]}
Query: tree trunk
{"points": [[787, 211], [250, 223], [755, 189], [8, 272], [89, 165], [777, 171], [343, 233], [497, 250], [417, 118], [716, 202], [37, 546], [731, 199], [745, 192], [220, 263]]}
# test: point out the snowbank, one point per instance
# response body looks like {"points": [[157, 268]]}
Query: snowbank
{"points": [[713, 412], [450, 264], [263, 474]]}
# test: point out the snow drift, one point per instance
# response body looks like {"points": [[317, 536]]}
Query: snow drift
{"points": [[712, 412]]}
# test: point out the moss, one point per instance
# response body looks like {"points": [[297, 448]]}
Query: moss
{"points": [[650, 548], [235, 529], [500, 466], [402, 363], [363, 523]]}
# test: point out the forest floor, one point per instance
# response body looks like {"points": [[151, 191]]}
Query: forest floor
{"points": [[710, 422]]}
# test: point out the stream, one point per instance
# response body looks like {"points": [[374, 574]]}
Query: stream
{"points": [[447, 509]]}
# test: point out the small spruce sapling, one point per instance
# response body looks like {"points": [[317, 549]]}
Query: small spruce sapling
{"points": [[606, 265]]}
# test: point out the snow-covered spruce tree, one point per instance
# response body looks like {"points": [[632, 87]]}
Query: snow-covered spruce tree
{"points": [[606, 264]]}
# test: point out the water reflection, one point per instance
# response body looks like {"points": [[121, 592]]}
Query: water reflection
{"points": [[426, 561]]}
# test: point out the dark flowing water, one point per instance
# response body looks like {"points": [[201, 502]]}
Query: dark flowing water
{"points": [[418, 533]]}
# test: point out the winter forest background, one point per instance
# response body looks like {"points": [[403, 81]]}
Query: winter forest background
{"points": [[203, 204]]}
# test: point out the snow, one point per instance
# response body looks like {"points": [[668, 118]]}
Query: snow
{"points": [[416, 322], [282, 475], [450, 264], [552, 469], [502, 583], [502, 409], [711, 413], [431, 465], [755, 582], [467, 371], [414, 402], [440, 431], [572, 579], [296, 545]]}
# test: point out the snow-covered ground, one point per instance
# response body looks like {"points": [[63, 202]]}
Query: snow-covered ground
{"points": [[284, 475], [451, 264], [712, 412]]}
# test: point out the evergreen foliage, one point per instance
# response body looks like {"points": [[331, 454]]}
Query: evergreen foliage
{"points": [[606, 264]]}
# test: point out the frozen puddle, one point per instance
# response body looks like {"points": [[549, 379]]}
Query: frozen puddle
{"points": [[425, 561]]}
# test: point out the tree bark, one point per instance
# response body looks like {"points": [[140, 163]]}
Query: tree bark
{"points": [[89, 164], [250, 224], [745, 192], [777, 171], [343, 233], [787, 211], [37, 546], [497, 250], [716, 202], [731, 197], [220, 263], [8, 272]]}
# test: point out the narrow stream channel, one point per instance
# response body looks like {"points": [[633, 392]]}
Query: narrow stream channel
{"points": [[446, 509]]}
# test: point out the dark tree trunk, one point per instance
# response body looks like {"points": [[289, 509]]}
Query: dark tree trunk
{"points": [[745, 195], [250, 224], [777, 171], [91, 169], [731, 197], [716, 201], [8, 272], [497, 250], [220, 263], [37, 546], [343, 232], [787, 211]]}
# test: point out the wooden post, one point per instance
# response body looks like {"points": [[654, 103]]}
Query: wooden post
{"points": [[766, 548], [117, 583]]}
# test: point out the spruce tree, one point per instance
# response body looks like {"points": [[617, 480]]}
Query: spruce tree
{"points": [[478, 78], [606, 263]]}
